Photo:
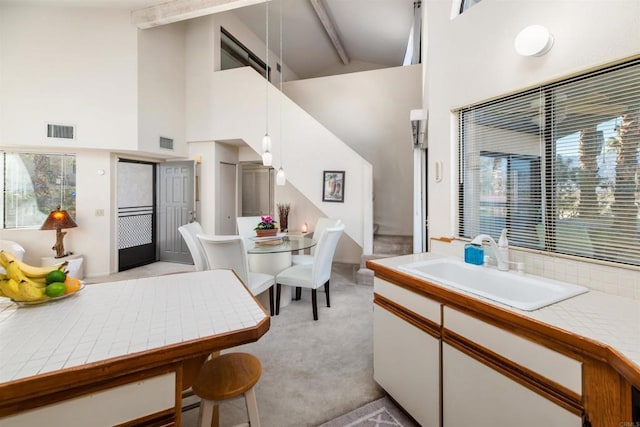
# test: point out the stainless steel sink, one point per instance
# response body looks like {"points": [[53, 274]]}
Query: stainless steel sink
{"points": [[521, 291]]}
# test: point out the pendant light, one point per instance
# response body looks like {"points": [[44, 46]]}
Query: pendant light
{"points": [[281, 177], [267, 158]]}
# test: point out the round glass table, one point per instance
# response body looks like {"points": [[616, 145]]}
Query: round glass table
{"points": [[271, 256]]}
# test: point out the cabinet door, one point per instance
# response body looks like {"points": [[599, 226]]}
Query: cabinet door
{"points": [[473, 394], [406, 363]]}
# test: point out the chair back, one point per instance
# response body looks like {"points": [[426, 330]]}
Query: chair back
{"points": [[246, 225], [323, 258], [226, 252], [321, 226], [15, 248], [189, 233]]}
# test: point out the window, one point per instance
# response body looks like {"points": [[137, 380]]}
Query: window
{"points": [[557, 166], [234, 54], [35, 184], [466, 4]]}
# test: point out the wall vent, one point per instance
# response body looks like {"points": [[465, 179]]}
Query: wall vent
{"points": [[166, 143], [61, 131]]}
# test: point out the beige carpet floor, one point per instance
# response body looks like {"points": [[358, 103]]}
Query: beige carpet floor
{"points": [[313, 371]]}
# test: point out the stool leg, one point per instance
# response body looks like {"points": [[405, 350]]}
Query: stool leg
{"points": [[252, 407], [206, 413]]}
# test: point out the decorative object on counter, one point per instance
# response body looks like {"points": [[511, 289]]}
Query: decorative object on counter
{"points": [[283, 214], [27, 284], [333, 186], [305, 228], [57, 220], [266, 227], [473, 254]]}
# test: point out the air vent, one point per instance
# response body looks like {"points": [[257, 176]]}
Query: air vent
{"points": [[166, 143], [61, 131]]}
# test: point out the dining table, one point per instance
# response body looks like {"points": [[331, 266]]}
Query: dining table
{"points": [[119, 353], [271, 255]]}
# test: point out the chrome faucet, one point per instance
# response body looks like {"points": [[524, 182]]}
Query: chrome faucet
{"points": [[503, 264]]}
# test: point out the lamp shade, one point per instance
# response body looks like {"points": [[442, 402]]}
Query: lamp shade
{"points": [[58, 219]]}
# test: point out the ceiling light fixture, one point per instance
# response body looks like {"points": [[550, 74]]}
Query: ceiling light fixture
{"points": [[281, 176], [267, 157], [534, 40]]}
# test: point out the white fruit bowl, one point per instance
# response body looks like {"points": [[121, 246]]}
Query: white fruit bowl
{"points": [[53, 299]]}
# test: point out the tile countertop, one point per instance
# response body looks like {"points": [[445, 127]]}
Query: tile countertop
{"points": [[109, 320], [609, 319]]}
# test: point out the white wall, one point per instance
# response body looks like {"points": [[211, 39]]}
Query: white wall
{"points": [[369, 111], [471, 58], [161, 88], [71, 66], [203, 59]]}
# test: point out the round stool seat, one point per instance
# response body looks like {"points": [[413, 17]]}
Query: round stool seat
{"points": [[227, 376]]}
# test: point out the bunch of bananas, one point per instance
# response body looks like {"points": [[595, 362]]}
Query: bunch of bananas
{"points": [[24, 282]]}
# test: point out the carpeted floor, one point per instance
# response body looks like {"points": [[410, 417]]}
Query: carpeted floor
{"points": [[313, 371]]}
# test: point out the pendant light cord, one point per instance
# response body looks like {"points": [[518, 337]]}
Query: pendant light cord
{"points": [[281, 91], [266, 69]]}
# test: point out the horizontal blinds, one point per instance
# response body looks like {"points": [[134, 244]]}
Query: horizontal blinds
{"points": [[558, 167]]}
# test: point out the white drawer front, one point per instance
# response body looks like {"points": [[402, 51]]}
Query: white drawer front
{"points": [[104, 408], [423, 306], [546, 362]]}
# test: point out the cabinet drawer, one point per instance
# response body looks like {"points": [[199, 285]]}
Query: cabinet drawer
{"points": [[104, 408], [550, 364], [423, 306]]}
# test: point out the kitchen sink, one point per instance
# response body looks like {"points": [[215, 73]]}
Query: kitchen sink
{"points": [[522, 291]]}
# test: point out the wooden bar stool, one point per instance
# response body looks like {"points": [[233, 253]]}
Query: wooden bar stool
{"points": [[227, 377]]}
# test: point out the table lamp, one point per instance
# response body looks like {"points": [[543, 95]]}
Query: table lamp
{"points": [[57, 220]]}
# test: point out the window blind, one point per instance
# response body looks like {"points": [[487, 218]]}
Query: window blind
{"points": [[557, 166]]}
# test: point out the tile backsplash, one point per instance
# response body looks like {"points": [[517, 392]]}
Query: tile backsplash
{"points": [[624, 282]]}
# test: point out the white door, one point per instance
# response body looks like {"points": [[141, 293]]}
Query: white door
{"points": [[176, 207], [257, 190]]}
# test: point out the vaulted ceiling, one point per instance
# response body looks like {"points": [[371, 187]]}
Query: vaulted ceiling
{"points": [[373, 33]]}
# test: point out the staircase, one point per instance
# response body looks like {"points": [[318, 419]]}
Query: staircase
{"points": [[383, 247]]}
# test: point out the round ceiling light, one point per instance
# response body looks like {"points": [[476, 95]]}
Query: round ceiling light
{"points": [[534, 40]]}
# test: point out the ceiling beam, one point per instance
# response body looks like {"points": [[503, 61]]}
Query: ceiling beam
{"points": [[180, 10], [330, 28]]}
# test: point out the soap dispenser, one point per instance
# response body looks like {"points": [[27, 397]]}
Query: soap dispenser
{"points": [[503, 247]]}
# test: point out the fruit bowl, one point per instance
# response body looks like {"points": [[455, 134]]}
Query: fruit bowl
{"points": [[48, 300]]}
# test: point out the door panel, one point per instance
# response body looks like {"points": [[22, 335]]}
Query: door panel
{"points": [[257, 190], [136, 213], [176, 207]]}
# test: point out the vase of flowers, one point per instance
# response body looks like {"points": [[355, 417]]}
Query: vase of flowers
{"points": [[266, 227]]}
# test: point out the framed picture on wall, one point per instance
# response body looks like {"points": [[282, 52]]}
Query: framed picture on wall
{"points": [[333, 186]]}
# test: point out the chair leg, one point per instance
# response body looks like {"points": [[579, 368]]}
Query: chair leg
{"points": [[314, 303], [298, 293], [205, 417], [326, 291], [271, 300], [278, 290], [252, 407]]}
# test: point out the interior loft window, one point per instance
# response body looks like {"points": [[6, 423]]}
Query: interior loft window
{"points": [[557, 166], [35, 184], [234, 54], [466, 4]]}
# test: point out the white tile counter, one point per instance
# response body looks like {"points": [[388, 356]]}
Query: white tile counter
{"points": [[122, 321], [605, 318]]}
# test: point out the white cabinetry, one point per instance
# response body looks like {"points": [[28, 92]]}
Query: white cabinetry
{"points": [[490, 378], [477, 395], [406, 358]]}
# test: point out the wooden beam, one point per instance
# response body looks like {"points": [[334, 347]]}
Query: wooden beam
{"points": [[180, 10], [330, 28]]}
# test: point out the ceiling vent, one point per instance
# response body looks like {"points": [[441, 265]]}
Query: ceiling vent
{"points": [[166, 143], [59, 131]]}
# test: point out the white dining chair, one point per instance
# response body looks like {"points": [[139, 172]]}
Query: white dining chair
{"points": [[229, 252], [190, 233], [321, 225], [246, 225], [15, 248], [315, 275]]}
